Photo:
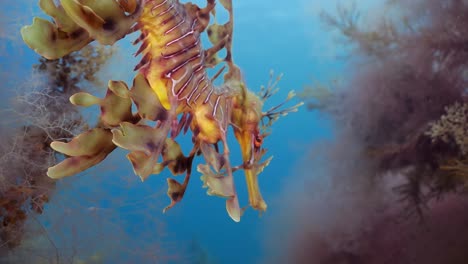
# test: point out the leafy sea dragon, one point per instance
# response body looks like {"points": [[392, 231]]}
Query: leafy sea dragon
{"points": [[171, 90]]}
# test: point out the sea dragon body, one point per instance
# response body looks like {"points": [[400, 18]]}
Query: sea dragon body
{"points": [[174, 64], [172, 55], [171, 88]]}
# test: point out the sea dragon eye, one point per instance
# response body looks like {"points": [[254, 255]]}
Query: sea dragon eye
{"points": [[258, 141]]}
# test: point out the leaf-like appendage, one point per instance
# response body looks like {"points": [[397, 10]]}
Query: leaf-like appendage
{"points": [[173, 156], [223, 186], [50, 41], [119, 88], [144, 165], [217, 184], [139, 138], [175, 191], [217, 33], [85, 151], [85, 144], [75, 165], [84, 99], [104, 20], [114, 108], [233, 208], [261, 166], [227, 4], [147, 102], [212, 157], [61, 19]]}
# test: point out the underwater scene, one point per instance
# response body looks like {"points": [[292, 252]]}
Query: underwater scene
{"points": [[226, 131]]}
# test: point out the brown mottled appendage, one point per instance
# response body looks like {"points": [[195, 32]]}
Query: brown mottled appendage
{"points": [[171, 89]]}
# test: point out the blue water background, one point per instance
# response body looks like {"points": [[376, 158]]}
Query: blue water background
{"points": [[286, 37]]}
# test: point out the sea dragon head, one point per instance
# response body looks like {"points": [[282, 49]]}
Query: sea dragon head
{"points": [[250, 125], [246, 118]]}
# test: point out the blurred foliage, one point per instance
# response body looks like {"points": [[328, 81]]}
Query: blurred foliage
{"points": [[407, 101], [42, 113], [69, 72], [319, 96], [377, 42], [199, 255], [452, 126]]}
